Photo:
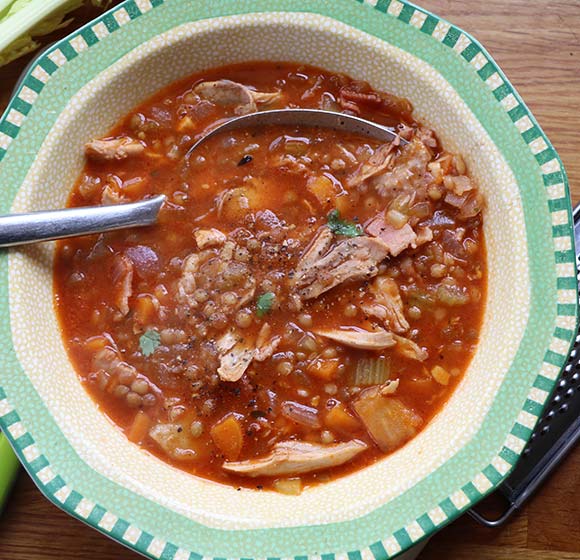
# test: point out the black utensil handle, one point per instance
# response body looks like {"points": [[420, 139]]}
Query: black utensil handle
{"points": [[528, 475]]}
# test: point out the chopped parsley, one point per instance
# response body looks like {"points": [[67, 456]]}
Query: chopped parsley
{"points": [[149, 341], [264, 304], [342, 227]]}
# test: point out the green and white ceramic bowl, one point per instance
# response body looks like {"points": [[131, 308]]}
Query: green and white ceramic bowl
{"points": [[84, 464]]}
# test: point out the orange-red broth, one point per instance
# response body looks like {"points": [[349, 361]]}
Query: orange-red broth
{"points": [[278, 175]]}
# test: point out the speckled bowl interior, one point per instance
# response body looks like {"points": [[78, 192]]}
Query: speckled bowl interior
{"points": [[447, 462]]}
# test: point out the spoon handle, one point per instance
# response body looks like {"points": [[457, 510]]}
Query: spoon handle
{"points": [[20, 229]]}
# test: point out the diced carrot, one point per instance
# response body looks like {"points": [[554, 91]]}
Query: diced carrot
{"points": [[441, 375], [185, 124], [323, 369], [139, 427], [339, 420], [145, 308], [343, 204], [228, 436], [423, 387], [323, 189], [153, 155], [134, 188], [96, 343]]}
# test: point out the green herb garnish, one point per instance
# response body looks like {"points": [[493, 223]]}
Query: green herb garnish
{"points": [[342, 227], [149, 341], [264, 304]]}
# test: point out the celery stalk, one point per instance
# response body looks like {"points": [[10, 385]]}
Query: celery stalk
{"points": [[8, 468], [21, 21], [371, 371]]}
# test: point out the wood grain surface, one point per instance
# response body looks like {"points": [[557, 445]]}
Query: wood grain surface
{"points": [[537, 43]]}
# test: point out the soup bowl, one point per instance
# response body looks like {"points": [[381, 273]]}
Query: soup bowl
{"points": [[83, 463]]}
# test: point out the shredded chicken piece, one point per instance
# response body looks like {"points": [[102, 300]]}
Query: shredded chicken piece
{"points": [[358, 95], [406, 347], [396, 240], [296, 457], [389, 387], [123, 282], [407, 173], [376, 164], [388, 421], [351, 259], [458, 185], [246, 293], [226, 342], [267, 350], [226, 93], [237, 351], [359, 338], [110, 197], [108, 149], [387, 304], [173, 439], [318, 247], [265, 343], [187, 283], [424, 235], [209, 238], [427, 137], [349, 99], [262, 97], [235, 361], [405, 131]]}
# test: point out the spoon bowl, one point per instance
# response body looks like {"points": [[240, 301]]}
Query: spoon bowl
{"points": [[22, 229], [316, 118]]}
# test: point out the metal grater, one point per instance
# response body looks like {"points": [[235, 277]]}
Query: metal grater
{"points": [[556, 433]]}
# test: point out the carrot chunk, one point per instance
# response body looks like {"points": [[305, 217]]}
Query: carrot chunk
{"points": [[339, 420], [139, 427], [323, 189], [323, 369], [228, 436], [145, 309]]}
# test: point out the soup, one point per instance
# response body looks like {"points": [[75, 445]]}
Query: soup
{"points": [[309, 298]]}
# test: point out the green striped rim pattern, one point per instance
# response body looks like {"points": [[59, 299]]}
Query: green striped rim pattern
{"points": [[555, 182]]}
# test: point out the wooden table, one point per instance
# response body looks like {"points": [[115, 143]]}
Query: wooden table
{"points": [[537, 44]]}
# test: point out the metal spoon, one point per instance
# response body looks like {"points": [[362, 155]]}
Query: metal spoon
{"points": [[21, 229]]}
